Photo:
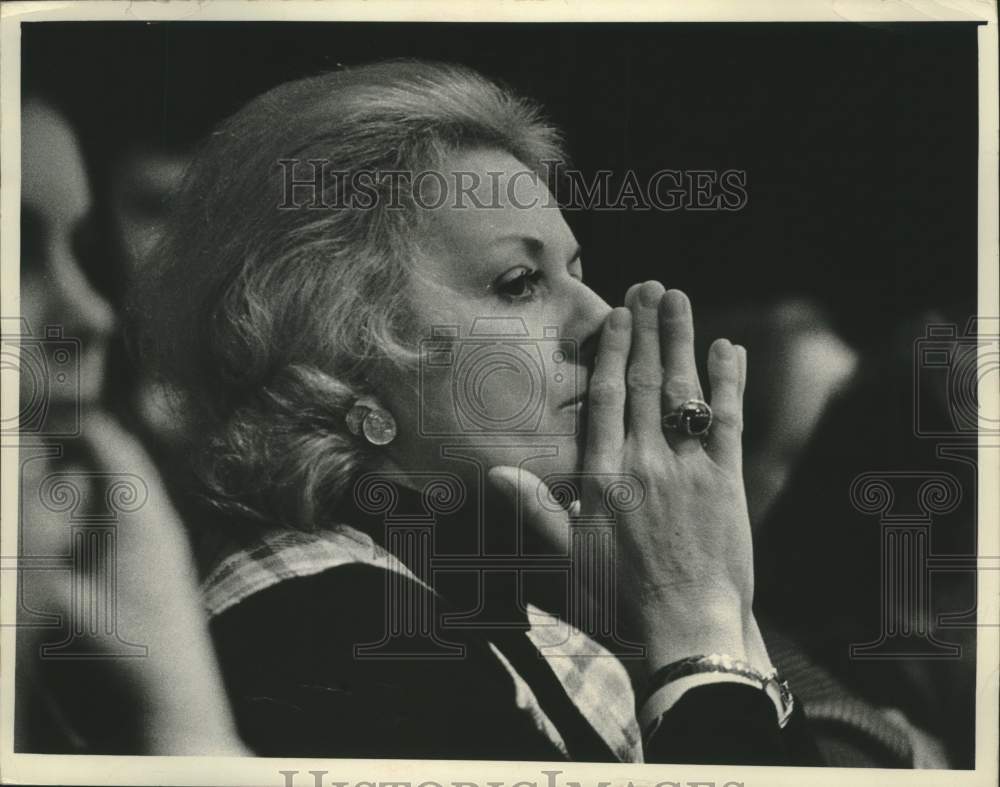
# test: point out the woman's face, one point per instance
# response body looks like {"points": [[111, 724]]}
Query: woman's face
{"points": [[507, 329], [56, 295]]}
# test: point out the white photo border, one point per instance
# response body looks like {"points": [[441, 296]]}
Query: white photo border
{"points": [[18, 768]]}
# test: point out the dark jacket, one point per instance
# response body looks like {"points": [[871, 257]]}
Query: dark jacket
{"points": [[299, 687]]}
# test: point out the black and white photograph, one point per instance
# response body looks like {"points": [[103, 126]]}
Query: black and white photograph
{"points": [[531, 397]]}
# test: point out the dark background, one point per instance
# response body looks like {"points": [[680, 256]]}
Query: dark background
{"points": [[859, 140], [860, 147]]}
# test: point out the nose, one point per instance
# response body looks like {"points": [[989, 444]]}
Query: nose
{"points": [[589, 313]]}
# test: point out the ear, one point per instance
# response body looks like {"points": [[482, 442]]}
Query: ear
{"points": [[368, 419], [387, 459]]}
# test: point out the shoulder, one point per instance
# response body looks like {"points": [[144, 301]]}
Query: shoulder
{"points": [[307, 601], [333, 608], [318, 665], [260, 560], [331, 622]]}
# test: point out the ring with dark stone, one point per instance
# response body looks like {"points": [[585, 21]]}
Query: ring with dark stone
{"points": [[693, 418]]}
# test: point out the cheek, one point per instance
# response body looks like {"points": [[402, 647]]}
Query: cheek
{"points": [[497, 389], [494, 388]]}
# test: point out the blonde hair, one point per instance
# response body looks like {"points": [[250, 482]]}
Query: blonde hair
{"points": [[266, 316]]}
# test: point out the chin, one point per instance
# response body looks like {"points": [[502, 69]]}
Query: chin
{"points": [[554, 456], [83, 386], [469, 455]]}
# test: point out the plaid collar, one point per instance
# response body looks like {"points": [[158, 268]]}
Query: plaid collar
{"points": [[592, 677]]}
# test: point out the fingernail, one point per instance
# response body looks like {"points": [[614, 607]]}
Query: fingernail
{"points": [[676, 301], [650, 294]]}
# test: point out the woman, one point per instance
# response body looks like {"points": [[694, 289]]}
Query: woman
{"points": [[358, 335], [80, 688]]}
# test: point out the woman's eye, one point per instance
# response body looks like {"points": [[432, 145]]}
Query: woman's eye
{"points": [[518, 285]]}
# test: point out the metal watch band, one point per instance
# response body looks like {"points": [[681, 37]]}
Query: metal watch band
{"points": [[771, 682]]}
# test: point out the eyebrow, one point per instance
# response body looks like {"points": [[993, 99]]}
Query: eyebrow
{"points": [[536, 245]]}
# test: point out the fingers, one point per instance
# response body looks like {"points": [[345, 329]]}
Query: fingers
{"points": [[661, 375], [644, 378], [525, 491], [156, 526], [606, 390], [743, 369], [115, 449], [726, 364], [680, 372]]}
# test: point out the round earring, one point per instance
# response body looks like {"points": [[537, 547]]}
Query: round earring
{"points": [[375, 424]]}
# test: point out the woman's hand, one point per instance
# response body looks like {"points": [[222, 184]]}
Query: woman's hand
{"points": [[684, 557], [159, 606], [175, 689]]}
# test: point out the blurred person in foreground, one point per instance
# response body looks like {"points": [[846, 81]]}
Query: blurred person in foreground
{"points": [[143, 677]]}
